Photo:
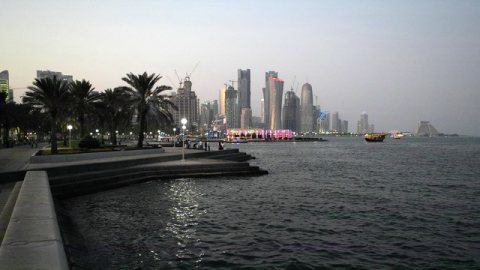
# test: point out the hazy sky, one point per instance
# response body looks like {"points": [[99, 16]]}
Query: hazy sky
{"points": [[400, 61]]}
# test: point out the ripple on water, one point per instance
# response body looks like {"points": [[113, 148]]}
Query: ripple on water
{"points": [[345, 204]]}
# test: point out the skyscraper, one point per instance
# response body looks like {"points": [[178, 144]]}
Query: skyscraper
{"points": [[244, 97], [187, 104], [324, 122], [231, 107], [207, 114], [246, 118], [244, 88], [291, 111], [272, 94], [362, 125], [307, 108], [262, 110], [336, 123], [221, 104]]}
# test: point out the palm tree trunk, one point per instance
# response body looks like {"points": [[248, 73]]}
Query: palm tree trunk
{"points": [[81, 121], [53, 135], [142, 130]]}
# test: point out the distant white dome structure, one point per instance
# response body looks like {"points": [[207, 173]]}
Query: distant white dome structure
{"points": [[426, 129]]}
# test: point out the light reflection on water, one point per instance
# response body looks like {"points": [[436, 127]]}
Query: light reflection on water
{"points": [[185, 214], [404, 204]]}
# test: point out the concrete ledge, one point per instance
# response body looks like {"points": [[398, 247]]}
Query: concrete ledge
{"points": [[93, 155], [32, 239], [8, 209]]}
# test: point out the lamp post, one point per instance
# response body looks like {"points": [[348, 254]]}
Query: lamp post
{"points": [[184, 122], [69, 127], [175, 137]]}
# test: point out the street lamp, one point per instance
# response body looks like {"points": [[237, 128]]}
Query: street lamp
{"points": [[69, 127], [184, 122], [174, 137]]}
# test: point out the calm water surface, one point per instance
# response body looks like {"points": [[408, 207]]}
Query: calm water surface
{"points": [[412, 203]]}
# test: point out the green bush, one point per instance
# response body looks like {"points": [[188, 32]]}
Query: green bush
{"points": [[89, 142]]}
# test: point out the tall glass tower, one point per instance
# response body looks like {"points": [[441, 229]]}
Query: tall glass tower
{"points": [[307, 108], [272, 94], [291, 111]]}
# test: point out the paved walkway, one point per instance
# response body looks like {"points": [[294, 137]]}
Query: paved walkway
{"points": [[16, 158], [13, 159]]}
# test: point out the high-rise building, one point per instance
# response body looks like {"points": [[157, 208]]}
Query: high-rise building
{"points": [[221, 104], [246, 118], [307, 108], [207, 114], [215, 108], [272, 94], [291, 111], [231, 108], [41, 74], [362, 124], [244, 96], [335, 122], [4, 82], [344, 126], [187, 104], [244, 88], [316, 118], [262, 110], [324, 120]]}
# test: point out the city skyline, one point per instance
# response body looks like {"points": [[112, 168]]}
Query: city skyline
{"points": [[401, 61]]}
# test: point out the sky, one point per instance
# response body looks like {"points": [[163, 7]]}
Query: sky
{"points": [[400, 61]]}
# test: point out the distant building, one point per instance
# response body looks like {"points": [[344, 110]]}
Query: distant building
{"points": [[426, 129], [187, 103], [344, 127], [221, 104], [246, 118], [262, 110], [307, 108], [257, 122], [272, 94], [244, 88], [324, 122], [291, 111], [41, 74], [207, 114], [335, 122], [362, 124], [231, 110], [316, 118], [5, 84], [215, 108]]}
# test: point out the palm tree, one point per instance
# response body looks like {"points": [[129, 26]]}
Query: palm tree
{"points": [[53, 96], [148, 99], [83, 95], [115, 105]]}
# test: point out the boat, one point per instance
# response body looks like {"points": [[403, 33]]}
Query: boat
{"points": [[375, 137], [397, 136]]}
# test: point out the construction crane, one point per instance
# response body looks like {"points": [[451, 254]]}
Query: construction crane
{"points": [[180, 81], [173, 84], [188, 75]]}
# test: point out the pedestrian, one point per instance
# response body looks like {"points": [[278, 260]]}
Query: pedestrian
{"points": [[220, 145]]}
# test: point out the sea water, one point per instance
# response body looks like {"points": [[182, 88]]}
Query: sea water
{"points": [[412, 203]]}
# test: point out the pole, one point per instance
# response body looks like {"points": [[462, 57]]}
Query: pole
{"points": [[70, 138]]}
